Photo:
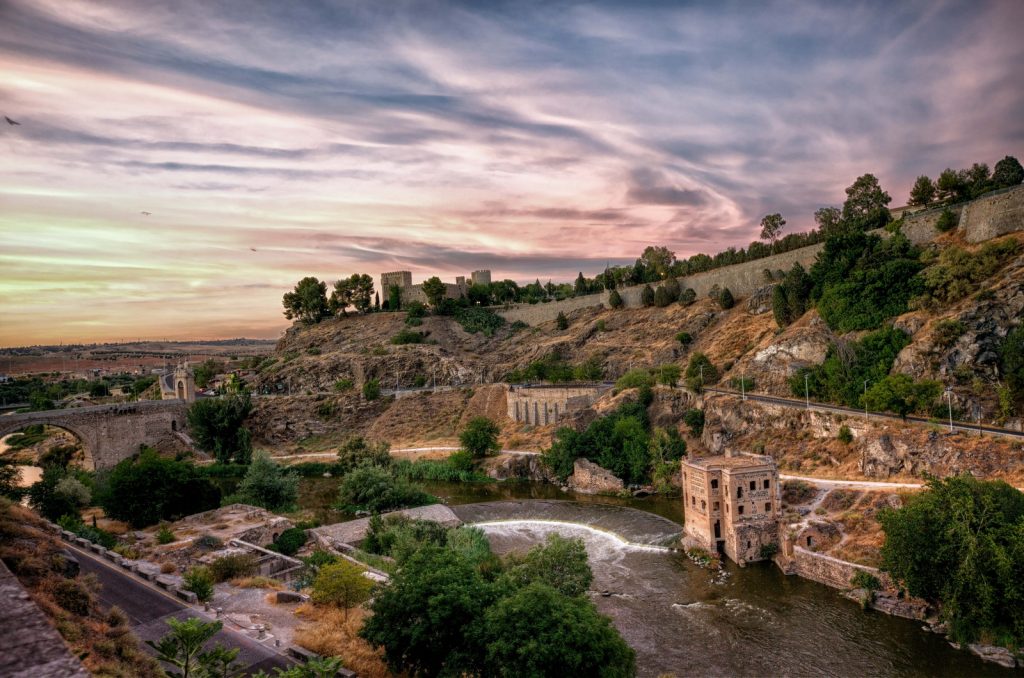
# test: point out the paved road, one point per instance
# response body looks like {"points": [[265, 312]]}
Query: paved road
{"points": [[802, 404], [853, 484], [148, 609]]}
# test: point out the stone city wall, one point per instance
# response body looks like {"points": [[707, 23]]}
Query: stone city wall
{"points": [[990, 216]]}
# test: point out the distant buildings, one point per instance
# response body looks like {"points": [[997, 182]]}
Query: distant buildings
{"points": [[732, 506], [403, 281]]}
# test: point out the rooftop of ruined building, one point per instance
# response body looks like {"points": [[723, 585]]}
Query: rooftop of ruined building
{"points": [[721, 461]]}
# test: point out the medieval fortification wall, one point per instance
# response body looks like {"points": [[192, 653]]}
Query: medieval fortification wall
{"points": [[987, 217]]}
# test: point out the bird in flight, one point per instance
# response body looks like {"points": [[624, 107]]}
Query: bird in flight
{"points": [[253, 249], [145, 214], [11, 122]]}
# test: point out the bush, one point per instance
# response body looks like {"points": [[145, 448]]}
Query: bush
{"points": [[865, 580], [635, 378], [947, 221], [290, 541], [148, 489], [647, 296], [694, 418], [561, 322], [341, 584], [615, 299], [700, 372], [768, 551], [480, 437], [600, 326], [742, 383], [845, 435], [371, 389], [233, 567], [208, 542], [726, 300], [684, 338], [344, 384], [357, 451], [687, 296], [199, 580], [947, 332], [373, 489], [269, 485], [668, 374], [662, 297], [408, 337], [71, 595], [164, 535]]}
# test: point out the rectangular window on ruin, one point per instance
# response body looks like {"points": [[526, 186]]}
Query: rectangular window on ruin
{"points": [[767, 507], [703, 505], [716, 505], [753, 485], [739, 493], [740, 509], [693, 500], [714, 484], [767, 484]]}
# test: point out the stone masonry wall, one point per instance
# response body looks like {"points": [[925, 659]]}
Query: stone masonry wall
{"points": [[987, 217], [831, 571], [540, 405]]}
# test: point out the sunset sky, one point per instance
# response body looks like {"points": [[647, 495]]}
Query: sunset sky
{"points": [[275, 140]]}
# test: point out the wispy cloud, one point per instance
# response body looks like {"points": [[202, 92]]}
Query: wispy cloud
{"points": [[269, 140]]}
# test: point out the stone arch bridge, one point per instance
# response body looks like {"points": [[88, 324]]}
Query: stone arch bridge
{"points": [[109, 433]]}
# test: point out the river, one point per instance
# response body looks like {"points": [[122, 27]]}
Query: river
{"points": [[688, 621]]}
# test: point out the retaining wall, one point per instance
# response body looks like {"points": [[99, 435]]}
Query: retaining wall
{"points": [[830, 571]]}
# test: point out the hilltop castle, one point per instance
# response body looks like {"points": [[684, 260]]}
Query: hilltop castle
{"points": [[403, 281]]}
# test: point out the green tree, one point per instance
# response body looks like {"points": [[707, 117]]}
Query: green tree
{"points": [[307, 302], [425, 618], [217, 426], [538, 632], [47, 495], [615, 299], [952, 186], [687, 296], [10, 479], [661, 297], [866, 204], [205, 372], [341, 296], [1008, 172], [560, 563], [1011, 361], [357, 451], [647, 296], [960, 543], [182, 648], [480, 437], [923, 191], [580, 287], [829, 220], [561, 322], [147, 489], [435, 291], [668, 374], [371, 389], [269, 484], [394, 298], [199, 580], [374, 489], [694, 418], [658, 260], [771, 227], [900, 394], [726, 300], [700, 372], [341, 584]]}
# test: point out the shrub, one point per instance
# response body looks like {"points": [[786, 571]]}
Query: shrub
{"points": [[373, 489], [668, 374], [408, 337], [233, 567], [218, 427], [768, 551], [600, 325], [208, 542], [199, 580], [647, 296], [694, 418], [865, 580], [371, 389], [615, 299], [687, 296], [164, 535], [145, 490], [662, 297], [71, 595], [344, 384], [561, 322], [845, 435], [947, 221], [480, 437], [290, 541], [948, 331], [269, 485], [684, 338], [357, 451], [635, 378], [726, 300], [326, 409], [475, 319], [700, 372], [341, 584]]}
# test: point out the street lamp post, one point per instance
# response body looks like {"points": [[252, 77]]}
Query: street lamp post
{"points": [[865, 397], [949, 399], [743, 387], [807, 391]]}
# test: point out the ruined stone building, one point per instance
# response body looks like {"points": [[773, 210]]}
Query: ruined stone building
{"points": [[403, 281], [732, 505], [542, 404]]}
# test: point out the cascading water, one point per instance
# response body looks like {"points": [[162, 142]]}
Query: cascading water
{"points": [[687, 621]]}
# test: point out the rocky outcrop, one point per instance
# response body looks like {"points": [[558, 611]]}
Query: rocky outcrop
{"points": [[589, 478], [996, 655], [517, 467], [761, 300], [777, 357]]}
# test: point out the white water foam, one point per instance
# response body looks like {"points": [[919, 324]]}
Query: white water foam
{"points": [[616, 539]]}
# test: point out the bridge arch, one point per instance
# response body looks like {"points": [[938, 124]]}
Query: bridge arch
{"points": [[88, 461]]}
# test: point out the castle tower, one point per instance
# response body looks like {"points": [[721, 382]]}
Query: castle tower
{"points": [[184, 383]]}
